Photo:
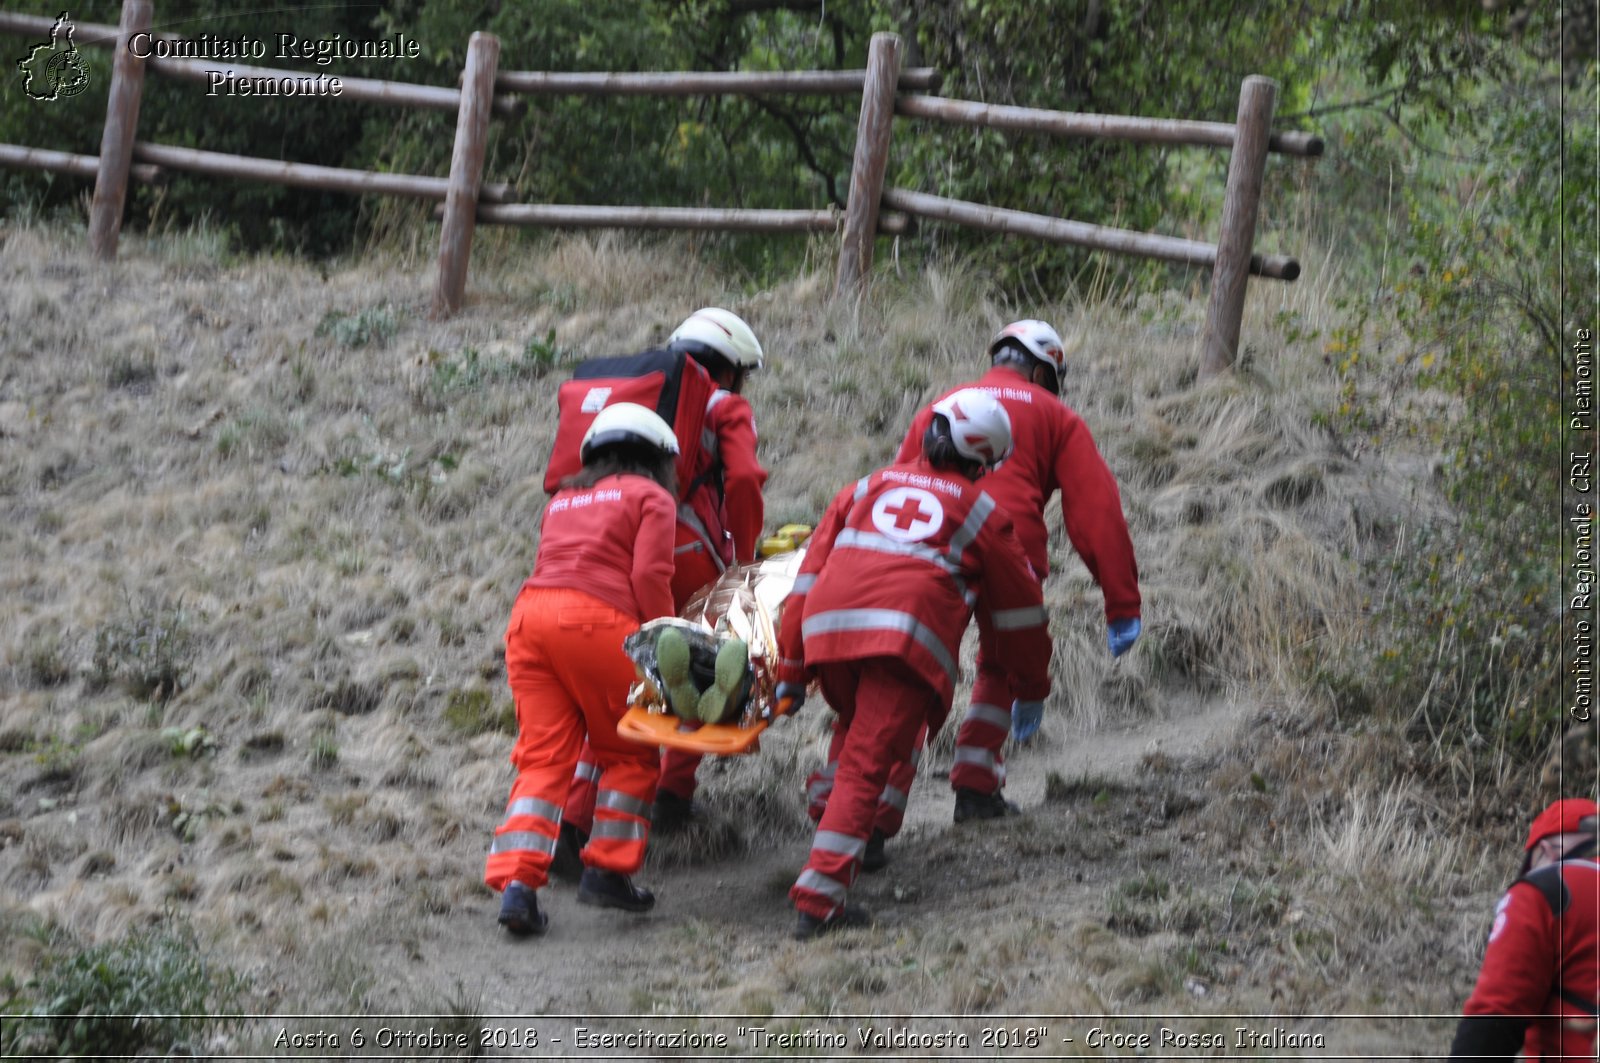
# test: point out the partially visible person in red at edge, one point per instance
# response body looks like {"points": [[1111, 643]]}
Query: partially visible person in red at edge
{"points": [[718, 525], [604, 567], [891, 578], [1538, 991], [1054, 452]]}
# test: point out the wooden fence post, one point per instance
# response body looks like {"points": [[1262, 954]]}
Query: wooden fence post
{"points": [[116, 141], [466, 173], [1247, 169], [871, 159]]}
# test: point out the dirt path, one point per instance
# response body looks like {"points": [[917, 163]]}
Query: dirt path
{"points": [[718, 940]]}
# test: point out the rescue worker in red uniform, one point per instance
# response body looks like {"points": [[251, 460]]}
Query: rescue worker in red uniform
{"points": [[604, 566], [1054, 452], [1543, 956], [891, 578], [718, 524]]}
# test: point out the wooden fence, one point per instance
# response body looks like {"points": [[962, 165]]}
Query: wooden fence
{"points": [[886, 89]]}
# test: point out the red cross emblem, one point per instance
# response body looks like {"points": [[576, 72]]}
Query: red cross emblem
{"points": [[907, 514]]}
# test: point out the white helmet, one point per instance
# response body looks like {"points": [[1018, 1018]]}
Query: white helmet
{"points": [[627, 422], [723, 332], [1037, 338], [979, 426]]}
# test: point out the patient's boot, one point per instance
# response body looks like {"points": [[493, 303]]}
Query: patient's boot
{"points": [[672, 658], [722, 699]]}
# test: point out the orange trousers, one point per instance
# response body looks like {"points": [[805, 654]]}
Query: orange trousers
{"points": [[693, 569], [569, 679]]}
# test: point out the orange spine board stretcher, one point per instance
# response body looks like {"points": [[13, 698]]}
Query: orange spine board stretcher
{"points": [[744, 603]]}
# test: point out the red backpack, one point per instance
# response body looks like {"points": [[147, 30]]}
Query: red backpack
{"points": [[671, 383]]}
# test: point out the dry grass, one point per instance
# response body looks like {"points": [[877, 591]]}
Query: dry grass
{"points": [[274, 501]]}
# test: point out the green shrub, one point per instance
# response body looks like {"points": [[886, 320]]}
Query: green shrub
{"points": [[152, 991], [1467, 638], [375, 325]]}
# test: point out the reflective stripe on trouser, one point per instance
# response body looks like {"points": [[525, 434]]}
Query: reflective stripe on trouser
{"points": [[882, 705], [585, 785], [891, 813], [569, 676], [978, 763]]}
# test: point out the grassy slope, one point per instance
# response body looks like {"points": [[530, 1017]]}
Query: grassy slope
{"points": [[317, 532]]}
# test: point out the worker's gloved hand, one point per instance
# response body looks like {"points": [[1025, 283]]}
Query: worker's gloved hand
{"points": [[1121, 635], [1026, 716], [795, 692]]}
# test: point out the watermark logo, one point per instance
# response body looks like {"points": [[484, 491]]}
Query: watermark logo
{"points": [[55, 70]]}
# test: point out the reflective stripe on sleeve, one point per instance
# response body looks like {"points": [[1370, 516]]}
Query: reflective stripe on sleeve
{"points": [[586, 770], [803, 584]]}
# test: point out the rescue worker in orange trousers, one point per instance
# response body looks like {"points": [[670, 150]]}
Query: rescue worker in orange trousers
{"points": [[891, 578], [1054, 452], [718, 525], [604, 566], [1543, 956]]}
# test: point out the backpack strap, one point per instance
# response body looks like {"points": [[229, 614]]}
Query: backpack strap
{"points": [[712, 473], [1552, 886], [1589, 1007]]}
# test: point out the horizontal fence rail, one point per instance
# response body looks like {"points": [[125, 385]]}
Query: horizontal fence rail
{"points": [[1078, 233], [21, 158], [1103, 126], [732, 219], [887, 90], [713, 83], [306, 175]]}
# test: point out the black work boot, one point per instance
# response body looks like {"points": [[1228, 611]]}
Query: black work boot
{"points": [[613, 889], [970, 804], [807, 927], [567, 864], [874, 859], [519, 911], [672, 813]]}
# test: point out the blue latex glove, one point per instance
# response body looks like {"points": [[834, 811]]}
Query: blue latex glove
{"points": [[1121, 635], [796, 692], [1026, 716]]}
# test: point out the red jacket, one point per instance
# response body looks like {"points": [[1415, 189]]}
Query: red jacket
{"points": [[1054, 452], [612, 540], [731, 502], [1543, 958], [896, 568]]}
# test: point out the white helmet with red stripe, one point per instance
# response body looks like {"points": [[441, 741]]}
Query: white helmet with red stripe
{"points": [[979, 426], [723, 332], [1037, 338]]}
